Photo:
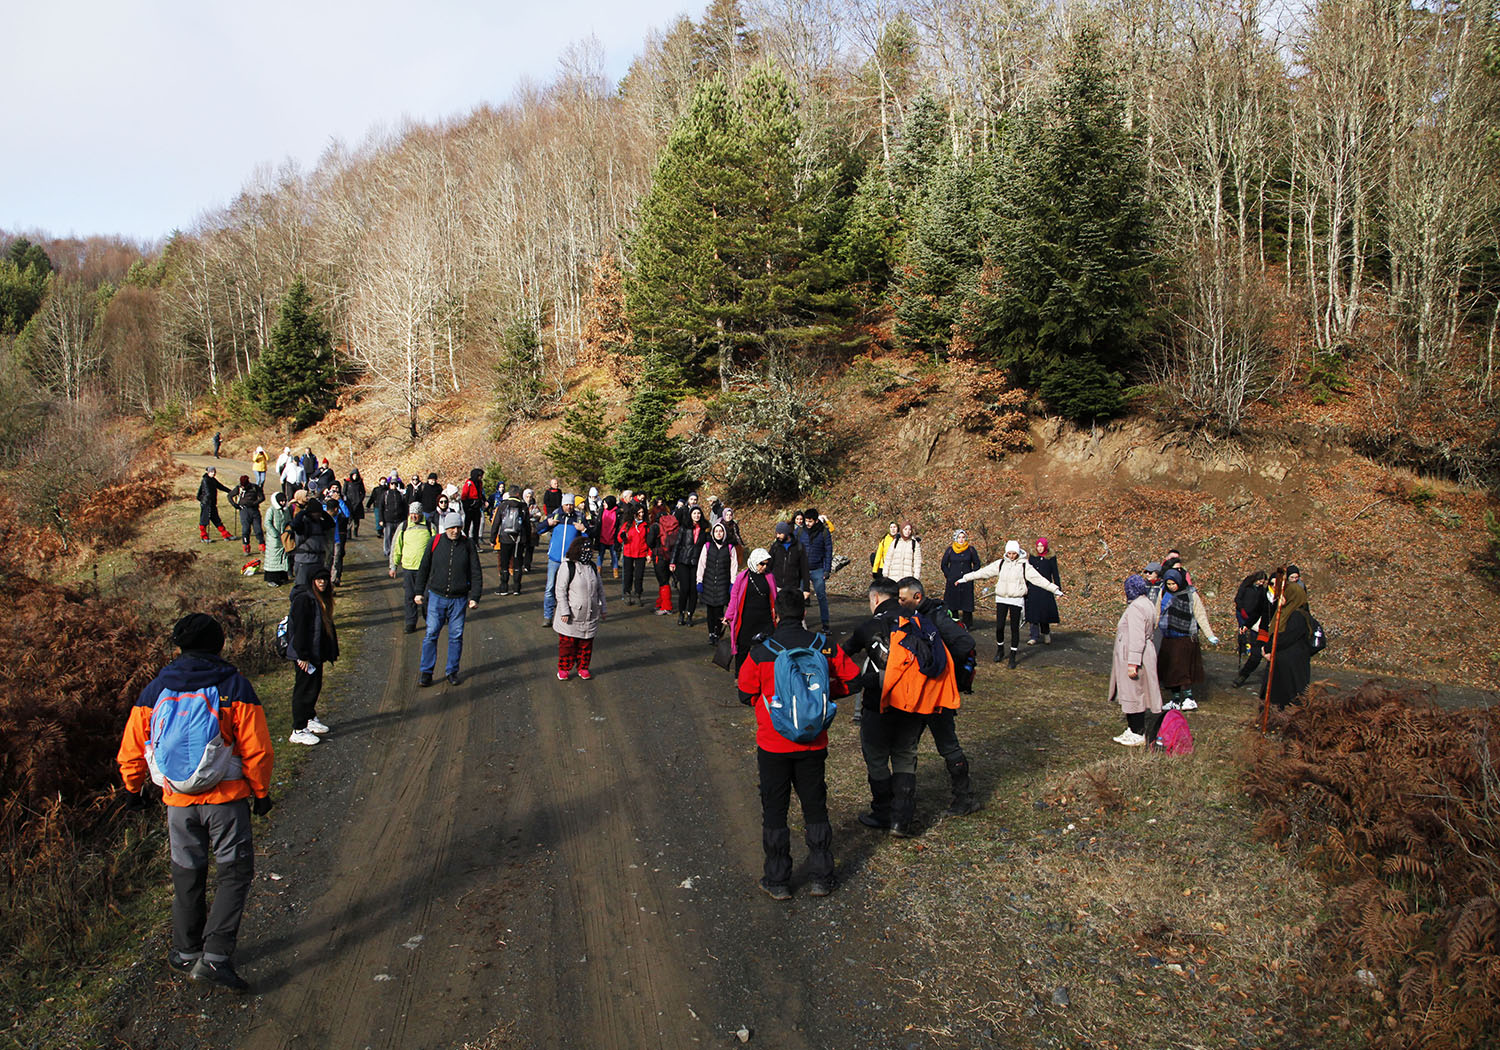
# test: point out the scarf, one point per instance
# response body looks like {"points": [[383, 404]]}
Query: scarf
{"points": [[1178, 621], [959, 548]]}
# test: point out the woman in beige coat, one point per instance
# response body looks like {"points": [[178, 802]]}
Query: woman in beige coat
{"points": [[580, 608], [1132, 676]]}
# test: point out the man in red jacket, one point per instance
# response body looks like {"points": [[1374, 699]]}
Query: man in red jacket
{"points": [[785, 764]]}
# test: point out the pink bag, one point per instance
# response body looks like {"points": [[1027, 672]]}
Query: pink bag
{"points": [[1174, 737]]}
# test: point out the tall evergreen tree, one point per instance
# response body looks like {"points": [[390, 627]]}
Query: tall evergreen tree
{"points": [[646, 457], [722, 259], [581, 449], [1070, 307], [939, 271], [296, 376]]}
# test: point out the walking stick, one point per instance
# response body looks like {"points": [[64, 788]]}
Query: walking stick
{"points": [[1265, 713]]}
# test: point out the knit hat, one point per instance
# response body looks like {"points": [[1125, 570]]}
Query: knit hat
{"points": [[450, 491], [783, 528], [1013, 547], [451, 520], [198, 632], [414, 507], [579, 501], [567, 500], [244, 479], [758, 556]]}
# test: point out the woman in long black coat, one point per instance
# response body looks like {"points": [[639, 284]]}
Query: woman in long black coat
{"points": [[1292, 637], [1041, 605], [957, 561]]}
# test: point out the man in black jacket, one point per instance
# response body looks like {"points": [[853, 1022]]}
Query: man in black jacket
{"points": [[961, 647], [393, 511], [427, 494], [449, 583], [208, 505], [510, 534], [789, 561], [882, 734]]}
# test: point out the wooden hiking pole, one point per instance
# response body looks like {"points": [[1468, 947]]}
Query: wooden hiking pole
{"points": [[1265, 713]]}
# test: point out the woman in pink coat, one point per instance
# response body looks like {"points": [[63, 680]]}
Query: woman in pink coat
{"points": [[1132, 677]]}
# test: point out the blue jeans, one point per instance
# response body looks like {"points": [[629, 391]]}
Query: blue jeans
{"points": [[260, 477], [450, 611], [549, 600], [821, 590], [614, 558]]}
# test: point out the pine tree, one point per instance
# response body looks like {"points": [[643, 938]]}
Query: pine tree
{"points": [[865, 244], [296, 376], [723, 259], [939, 271], [581, 449], [1070, 307], [646, 457]]}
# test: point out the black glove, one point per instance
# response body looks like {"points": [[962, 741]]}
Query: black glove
{"points": [[135, 801], [261, 806]]}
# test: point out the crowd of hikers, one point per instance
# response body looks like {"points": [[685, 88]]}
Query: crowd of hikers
{"points": [[199, 732]]}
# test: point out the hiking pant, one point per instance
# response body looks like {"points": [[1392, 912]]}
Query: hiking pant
{"points": [[388, 541], [208, 514], [635, 576], [411, 608], [1257, 651], [194, 833], [888, 740], [250, 523], [473, 523], [1038, 631], [305, 689], [336, 570], [820, 588], [780, 773], [573, 650], [941, 723], [379, 512], [442, 610], [1013, 614], [509, 558]]}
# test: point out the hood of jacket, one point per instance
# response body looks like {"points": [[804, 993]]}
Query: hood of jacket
{"points": [[195, 670]]}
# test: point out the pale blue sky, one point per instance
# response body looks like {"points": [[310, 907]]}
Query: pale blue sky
{"points": [[135, 116]]}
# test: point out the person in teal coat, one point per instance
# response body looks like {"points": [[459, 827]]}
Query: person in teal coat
{"points": [[274, 562]]}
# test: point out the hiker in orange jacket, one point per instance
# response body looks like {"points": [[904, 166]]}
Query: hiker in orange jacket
{"points": [[210, 790]]}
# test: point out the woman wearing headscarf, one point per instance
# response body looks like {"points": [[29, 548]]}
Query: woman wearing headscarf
{"points": [[1041, 604], [718, 565], [1132, 675], [1183, 618], [960, 558], [1012, 573], [354, 499], [274, 561], [1291, 627], [904, 556], [752, 606], [691, 539], [877, 559], [580, 607], [1252, 611]]}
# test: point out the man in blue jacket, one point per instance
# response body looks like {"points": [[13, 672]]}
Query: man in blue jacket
{"points": [[563, 524], [816, 540]]}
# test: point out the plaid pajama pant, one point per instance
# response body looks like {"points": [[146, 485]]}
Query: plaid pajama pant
{"points": [[571, 649]]}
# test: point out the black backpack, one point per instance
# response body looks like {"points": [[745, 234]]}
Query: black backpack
{"points": [[511, 522]]}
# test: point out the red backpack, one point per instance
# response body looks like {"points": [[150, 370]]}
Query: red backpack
{"points": [[1174, 737]]}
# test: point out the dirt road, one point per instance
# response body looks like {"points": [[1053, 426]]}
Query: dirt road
{"points": [[550, 864]]}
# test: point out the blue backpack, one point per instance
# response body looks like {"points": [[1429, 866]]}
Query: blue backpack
{"points": [[802, 708], [187, 752]]}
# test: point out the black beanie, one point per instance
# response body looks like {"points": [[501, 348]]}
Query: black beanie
{"points": [[198, 632]]}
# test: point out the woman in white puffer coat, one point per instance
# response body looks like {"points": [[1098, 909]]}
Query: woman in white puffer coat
{"points": [[1011, 575]]}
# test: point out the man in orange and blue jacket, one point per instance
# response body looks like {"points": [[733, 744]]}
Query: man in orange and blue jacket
{"points": [[214, 820]]}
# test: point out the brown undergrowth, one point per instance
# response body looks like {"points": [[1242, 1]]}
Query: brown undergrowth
{"points": [[1395, 803]]}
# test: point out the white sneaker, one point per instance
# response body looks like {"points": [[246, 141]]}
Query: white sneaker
{"points": [[302, 736], [1190, 704], [1171, 705], [1130, 738], [315, 725]]}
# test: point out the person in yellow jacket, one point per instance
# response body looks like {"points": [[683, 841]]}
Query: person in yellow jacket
{"points": [[877, 560], [411, 541], [260, 463]]}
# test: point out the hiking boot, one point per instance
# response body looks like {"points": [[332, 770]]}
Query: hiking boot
{"points": [[304, 736], [871, 820], [910, 830], [424, 679], [453, 678], [689, 619], [182, 963], [776, 891], [316, 725], [963, 802], [904, 805], [1238, 683], [822, 887], [411, 628], [681, 619], [219, 973]]}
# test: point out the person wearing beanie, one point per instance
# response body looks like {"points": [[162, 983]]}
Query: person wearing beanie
{"points": [[510, 535], [427, 493], [409, 543], [312, 642], [247, 498], [175, 736], [1012, 574], [209, 487], [789, 560], [450, 580]]}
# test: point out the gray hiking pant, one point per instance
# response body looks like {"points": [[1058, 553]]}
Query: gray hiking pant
{"points": [[220, 830]]}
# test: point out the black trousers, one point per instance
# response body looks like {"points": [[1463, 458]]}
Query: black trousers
{"points": [[888, 741], [1013, 614], [1257, 651], [219, 832], [687, 591], [663, 572], [635, 576], [780, 774], [409, 585], [715, 619], [510, 566], [473, 523], [305, 690]]}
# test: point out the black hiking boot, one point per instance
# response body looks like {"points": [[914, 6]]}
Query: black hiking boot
{"points": [[963, 802], [879, 815], [999, 653], [221, 973], [904, 806]]}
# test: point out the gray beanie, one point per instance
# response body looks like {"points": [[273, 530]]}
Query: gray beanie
{"points": [[452, 520], [414, 507]]}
